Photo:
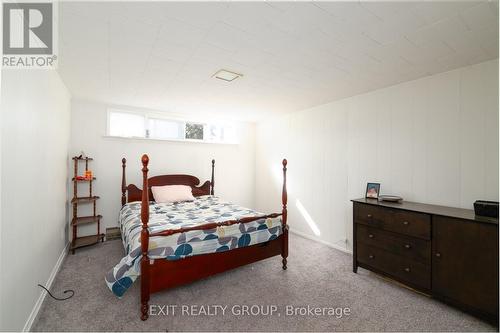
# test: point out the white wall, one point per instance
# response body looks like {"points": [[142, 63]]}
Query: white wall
{"points": [[234, 168], [34, 142], [433, 140]]}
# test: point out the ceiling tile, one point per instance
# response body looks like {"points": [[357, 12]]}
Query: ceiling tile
{"points": [[132, 32], [250, 18], [351, 13], [452, 61], [427, 53], [466, 42], [479, 16], [227, 37], [95, 11], [177, 32], [433, 11], [171, 52], [202, 15], [423, 35], [444, 29], [301, 18], [209, 53], [388, 10], [71, 32], [384, 34], [395, 27]]}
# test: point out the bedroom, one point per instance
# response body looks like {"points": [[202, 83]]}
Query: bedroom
{"points": [[292, 124]]}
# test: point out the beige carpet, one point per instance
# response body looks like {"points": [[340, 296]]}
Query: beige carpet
{"points": [[317, 276]]}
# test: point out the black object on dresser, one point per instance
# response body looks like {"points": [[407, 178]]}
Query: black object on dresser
{"points": [[448, 253], [486, 208]]}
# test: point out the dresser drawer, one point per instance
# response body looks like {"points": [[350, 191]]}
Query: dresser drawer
{"points": [[409, 247], [400, 221], [399, 267], [371, 215], [411, 223]]}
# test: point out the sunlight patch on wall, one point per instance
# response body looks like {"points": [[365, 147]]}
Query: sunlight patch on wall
{"points": [[308, 218], [277, 173]]}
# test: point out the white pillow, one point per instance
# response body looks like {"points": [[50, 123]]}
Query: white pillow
{"points": [[172, 193]]}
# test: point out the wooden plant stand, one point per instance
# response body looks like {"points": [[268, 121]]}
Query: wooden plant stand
{"points": [[77, 221]]}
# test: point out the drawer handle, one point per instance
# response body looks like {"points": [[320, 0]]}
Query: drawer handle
{"points": [[371, 256], [405, 222], [369, 216], [370, 236], [407, 246], [407, 269], [438, 254]]}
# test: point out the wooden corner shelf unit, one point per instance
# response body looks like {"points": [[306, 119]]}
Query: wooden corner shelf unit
{"points": [[78, 242]]}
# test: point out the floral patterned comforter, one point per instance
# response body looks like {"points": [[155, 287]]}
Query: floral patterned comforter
{"points": [[202, 210]]}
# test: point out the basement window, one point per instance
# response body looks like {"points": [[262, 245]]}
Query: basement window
{"points": [[126, 124], [142, 125], [164, 129], [194, 131]]}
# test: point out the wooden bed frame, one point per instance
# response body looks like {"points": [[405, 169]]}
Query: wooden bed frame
{"points": [[157, 275]]}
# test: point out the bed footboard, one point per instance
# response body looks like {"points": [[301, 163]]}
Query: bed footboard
{"points": [[165, 274]]}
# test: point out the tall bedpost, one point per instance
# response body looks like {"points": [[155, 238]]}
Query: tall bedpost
{"points": [[212, 182], [284, 199], [124, 184], [145, 278]]}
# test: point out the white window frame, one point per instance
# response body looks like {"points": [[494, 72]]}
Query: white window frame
{"points": [[157, 115], [147, 117]]}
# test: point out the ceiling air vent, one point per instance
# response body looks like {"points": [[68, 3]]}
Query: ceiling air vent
{"points": [[227, 76]]}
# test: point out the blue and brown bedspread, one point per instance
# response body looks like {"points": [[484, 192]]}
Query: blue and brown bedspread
{"points": [[203, 210]]}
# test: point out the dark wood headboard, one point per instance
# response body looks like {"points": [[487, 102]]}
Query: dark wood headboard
{"points": [[132, 193]]}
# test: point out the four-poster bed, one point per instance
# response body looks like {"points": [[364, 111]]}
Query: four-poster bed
{"points": [[242, 236]]}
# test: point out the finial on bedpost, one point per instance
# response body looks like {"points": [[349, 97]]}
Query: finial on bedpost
{"points": [[145, 240], [212, 183], [284, 213], [124, 183], [145, 191], [284, 197]]}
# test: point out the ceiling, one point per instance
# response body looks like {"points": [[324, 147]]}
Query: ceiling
{"points": [[293, 55]]}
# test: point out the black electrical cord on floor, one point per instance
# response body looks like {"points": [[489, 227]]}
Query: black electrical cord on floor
{"points": [[59, 299]]}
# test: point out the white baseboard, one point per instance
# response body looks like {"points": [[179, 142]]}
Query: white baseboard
{"points": [[334, 246], [48, 285]]}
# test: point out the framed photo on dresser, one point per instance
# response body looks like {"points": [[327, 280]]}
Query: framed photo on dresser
{"points": [[372, 190]]}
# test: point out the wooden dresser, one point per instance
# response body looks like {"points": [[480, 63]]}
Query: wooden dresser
{"points": [[448, 253]]}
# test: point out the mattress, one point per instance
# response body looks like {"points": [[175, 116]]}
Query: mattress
{"points": [[166, 216]]}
